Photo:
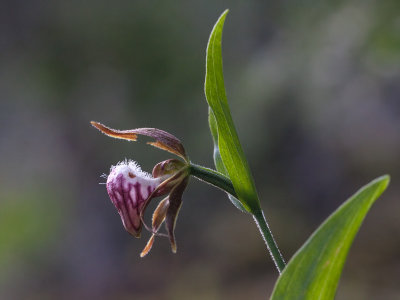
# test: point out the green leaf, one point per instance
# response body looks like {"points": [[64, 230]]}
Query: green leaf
{"points": [[228, 153], [217, 157], [314, 271]]}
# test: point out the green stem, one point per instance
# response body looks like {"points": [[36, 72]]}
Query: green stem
{"points": [[224, 183], [212, 177], [269, 240]]}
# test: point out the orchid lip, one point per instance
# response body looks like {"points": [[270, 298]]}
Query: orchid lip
{"points": [[129, 188]]}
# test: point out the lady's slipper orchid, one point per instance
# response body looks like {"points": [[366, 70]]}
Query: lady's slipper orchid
{"points": [[130, 189]]}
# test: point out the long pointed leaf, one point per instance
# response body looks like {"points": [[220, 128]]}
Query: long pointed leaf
{"points": [[314, 271], [228, 146]]}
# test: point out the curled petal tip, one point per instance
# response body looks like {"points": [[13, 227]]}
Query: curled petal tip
{"points": [[173, 248], [135, 234], [147, 249], [129, 135]]}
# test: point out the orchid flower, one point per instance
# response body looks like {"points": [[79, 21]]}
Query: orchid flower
{"points": [[131, 189]]}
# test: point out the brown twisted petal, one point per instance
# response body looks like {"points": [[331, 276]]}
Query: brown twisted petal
{"points": [[167, 210], [175, 203], [158, 218], [164, 140], [159, 214]]}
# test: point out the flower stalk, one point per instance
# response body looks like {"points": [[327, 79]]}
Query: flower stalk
{"points": [[269, 240], [212, 177]]}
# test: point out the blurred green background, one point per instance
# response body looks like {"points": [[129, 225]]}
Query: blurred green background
{"points": [[314, 91]]}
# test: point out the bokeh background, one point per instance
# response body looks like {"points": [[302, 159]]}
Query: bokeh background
{"points": [[314, 89]]}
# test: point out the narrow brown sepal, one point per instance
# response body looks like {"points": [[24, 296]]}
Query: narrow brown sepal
{"points": [[129, 135], [164, 140], [149, 244]]}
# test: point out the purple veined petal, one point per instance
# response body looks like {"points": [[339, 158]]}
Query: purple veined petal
{"points": [[129, 188]]}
